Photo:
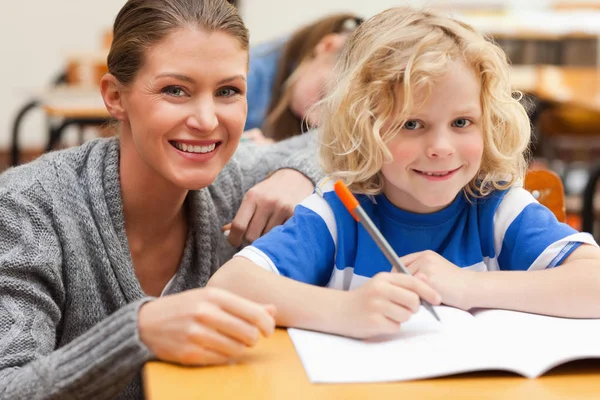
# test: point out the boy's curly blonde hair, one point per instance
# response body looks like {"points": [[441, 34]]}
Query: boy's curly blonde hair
{"points": [[403, 48]]}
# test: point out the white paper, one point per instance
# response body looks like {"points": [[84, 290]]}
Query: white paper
{"points": [[423, 348]]}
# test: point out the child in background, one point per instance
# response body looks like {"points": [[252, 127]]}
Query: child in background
{"points": [[287, 77], [423, 126]]}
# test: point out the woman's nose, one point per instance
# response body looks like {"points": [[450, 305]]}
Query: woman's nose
{"points": [[204, 116]]}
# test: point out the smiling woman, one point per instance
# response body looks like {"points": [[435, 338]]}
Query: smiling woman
{"points": [[90, 236], [188, 102]]}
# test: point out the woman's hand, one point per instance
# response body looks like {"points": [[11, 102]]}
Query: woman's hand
{"points": [[382, 304], [256, 136], [452, 282], [203, 326], [268, 204]]}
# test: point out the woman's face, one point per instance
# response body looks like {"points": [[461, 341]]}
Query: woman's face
{"points": [[185, 111], [312, 79]]}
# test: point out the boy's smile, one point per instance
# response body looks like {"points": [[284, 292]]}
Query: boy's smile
{"points": [[437, 175], [439, 149]]}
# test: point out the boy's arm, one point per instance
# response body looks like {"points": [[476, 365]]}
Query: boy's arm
{"points": [[288, 267], [544, 266], [298, 304], [570, 290], [378, 307]]}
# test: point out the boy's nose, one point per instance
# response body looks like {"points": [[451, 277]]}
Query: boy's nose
{"points": [[440, 146]]}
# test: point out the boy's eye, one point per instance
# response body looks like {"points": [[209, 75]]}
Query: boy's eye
{"points": [[175, 91], [461, 123], [227, 92], [412, 124]]}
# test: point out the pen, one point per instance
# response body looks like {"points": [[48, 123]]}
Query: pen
{"points": [[361, 216]]}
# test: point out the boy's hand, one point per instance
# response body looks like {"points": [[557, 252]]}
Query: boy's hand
{"points": [[383, 303], [452, 282]]}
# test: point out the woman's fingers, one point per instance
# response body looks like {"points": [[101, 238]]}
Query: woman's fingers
{"points": [[220, 344], [249, 311]]}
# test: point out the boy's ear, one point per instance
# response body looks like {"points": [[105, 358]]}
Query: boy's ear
{"points": [[330, 44], [111, 90]]}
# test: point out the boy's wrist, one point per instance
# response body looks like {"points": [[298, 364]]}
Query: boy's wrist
{"points": [[339, 317], [473, 289]]}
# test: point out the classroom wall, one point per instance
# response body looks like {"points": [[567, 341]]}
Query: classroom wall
{"points": [[36, 36], [270, 18]]}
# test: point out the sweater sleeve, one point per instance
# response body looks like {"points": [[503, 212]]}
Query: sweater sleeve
{"points": [[99, 363], [298, 153]]}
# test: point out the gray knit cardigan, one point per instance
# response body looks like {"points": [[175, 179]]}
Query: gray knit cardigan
{"points": [[69, 297]]}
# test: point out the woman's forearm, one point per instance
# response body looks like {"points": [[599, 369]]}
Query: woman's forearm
{"points": [[298, 304], [98, 364]]}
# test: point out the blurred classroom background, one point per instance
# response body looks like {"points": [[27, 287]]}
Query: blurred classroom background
{"points": [[54, 53]]}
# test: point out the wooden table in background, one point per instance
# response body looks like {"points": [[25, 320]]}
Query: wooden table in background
{"points": [[73, 102], [571, 85], [273, 370]]}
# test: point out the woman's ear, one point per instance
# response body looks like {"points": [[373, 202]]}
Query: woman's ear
{"points": [[111, 90], [330, 44]]}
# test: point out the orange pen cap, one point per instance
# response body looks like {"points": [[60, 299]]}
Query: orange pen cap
{"points": [[346, 197]]}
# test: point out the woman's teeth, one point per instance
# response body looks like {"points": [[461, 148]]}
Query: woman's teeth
{"points": [[188, 148]]}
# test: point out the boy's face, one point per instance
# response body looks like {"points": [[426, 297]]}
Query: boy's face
{"points": [[439, 149]]}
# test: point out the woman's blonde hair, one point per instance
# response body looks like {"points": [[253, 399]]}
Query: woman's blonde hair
{"points": [[407, 49]]}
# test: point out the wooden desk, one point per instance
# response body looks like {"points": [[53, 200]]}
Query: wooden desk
{"points": [[573, 85], [273, 370]]}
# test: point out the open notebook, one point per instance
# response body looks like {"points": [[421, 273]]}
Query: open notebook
{"points": [[527, 344]]}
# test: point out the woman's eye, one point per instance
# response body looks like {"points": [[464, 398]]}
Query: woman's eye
{"points": [[227, 92], [175, 91], [412, 124], [461, 123]]}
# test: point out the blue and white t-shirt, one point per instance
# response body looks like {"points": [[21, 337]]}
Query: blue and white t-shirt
{"points": [[323, 245]]}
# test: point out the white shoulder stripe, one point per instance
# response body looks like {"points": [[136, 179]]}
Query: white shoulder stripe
{"points": [[258, 257], [551, 252], [319, 206], [513, 203], [325, 185]]}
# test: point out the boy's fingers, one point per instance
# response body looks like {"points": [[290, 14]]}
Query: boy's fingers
{"points": [[410, 258], [422, 289], [402, 297], [397, 312]]}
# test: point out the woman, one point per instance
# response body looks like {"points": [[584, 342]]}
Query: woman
{"points": [[288, 76], [91, 237]]}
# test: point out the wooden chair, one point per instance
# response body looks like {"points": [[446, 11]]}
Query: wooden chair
{"points": [[547, 188], [569, 133], [590, 203]]}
